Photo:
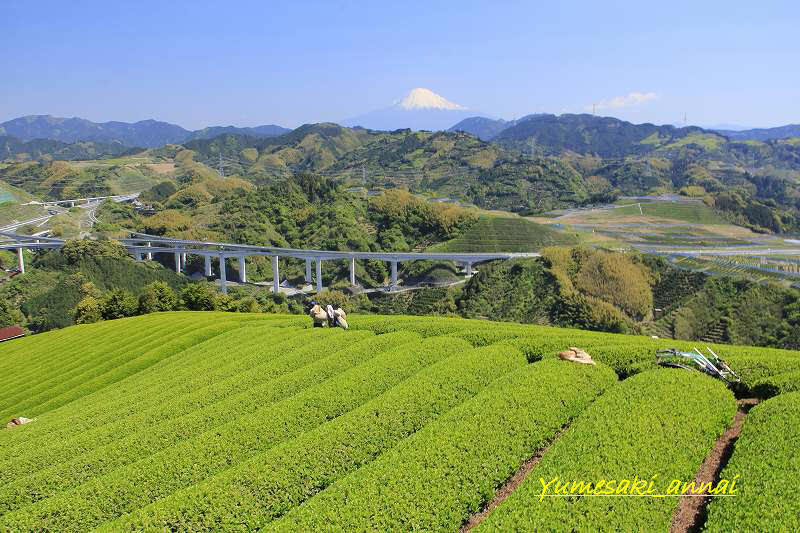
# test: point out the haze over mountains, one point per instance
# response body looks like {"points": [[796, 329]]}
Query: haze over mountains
{"points": [[488, 129], [762, 134], [145, 133], [420, 109], [546, 134], [10, 147], [484, 128], [537, 163]]}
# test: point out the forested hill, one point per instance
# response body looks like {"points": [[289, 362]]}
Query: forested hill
{"points": [[589, 134], [310, 147], [581, 133], [602, 135], [445, 163], [13, 148], [541, 163]]}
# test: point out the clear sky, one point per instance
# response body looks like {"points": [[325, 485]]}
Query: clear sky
{"points": [[199, 63]]}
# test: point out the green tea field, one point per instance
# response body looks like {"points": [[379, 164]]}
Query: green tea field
{"points": [[189, 421], [495, 234]]}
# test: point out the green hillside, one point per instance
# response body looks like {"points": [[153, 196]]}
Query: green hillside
{"points": [[55, 180], [605, 136], [12, 148], [500, 234], [540, 163], [9, 193], [55, 282], [11, 211], [218, 421], [444, 163], [681, 212]]}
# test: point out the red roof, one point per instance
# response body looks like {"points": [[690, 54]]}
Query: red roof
{"points": [[11, 332]]}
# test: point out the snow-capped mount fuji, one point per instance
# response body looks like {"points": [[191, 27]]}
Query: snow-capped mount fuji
{"points": [[420, 109], [420, 98]]}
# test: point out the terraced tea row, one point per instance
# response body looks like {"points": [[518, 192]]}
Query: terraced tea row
{"points": [[198, 366], [626, 354], [202, 373], [777, 384], [210, 421], [94, 352], [767, 464], [257, 491], [656, 426], [221, 447], [283, 375], [451, 468], [130, 362]]}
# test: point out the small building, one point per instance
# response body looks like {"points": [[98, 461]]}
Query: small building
{"points": [[11, 332]]}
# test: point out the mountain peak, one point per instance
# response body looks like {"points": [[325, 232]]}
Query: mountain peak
{"points": [[421, 98]]}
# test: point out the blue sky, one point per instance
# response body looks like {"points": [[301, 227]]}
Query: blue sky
{"points": [[256, 62]]}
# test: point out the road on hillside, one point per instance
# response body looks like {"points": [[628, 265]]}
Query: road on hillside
{"points": [[89, 219], [38, 221]]}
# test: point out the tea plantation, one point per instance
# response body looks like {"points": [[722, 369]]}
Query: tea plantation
{"points": [[227, 421]]}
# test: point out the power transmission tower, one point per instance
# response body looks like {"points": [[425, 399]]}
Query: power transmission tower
{"points": [[219, 167], [363, 175]]}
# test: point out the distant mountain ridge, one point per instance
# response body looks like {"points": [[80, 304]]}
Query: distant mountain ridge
{"points": [[145, 133], [269, 130], [12, 148], [483, 128], [603, 136], [540, 163], [762, 134], [487, 129]]}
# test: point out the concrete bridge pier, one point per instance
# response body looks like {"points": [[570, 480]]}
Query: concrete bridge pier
{"points": [[319, 274], [223, 276], [242, 270], [352, 271], [20, 261], [308, 270], [149, 254], [177, 263], [276, 275], [394, 275], [207, 261], [72, 204], [468, 269], [183, 261]]}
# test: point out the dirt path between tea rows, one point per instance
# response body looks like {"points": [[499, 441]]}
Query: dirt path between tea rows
{"points": [[691, 513], [509, 486]]}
